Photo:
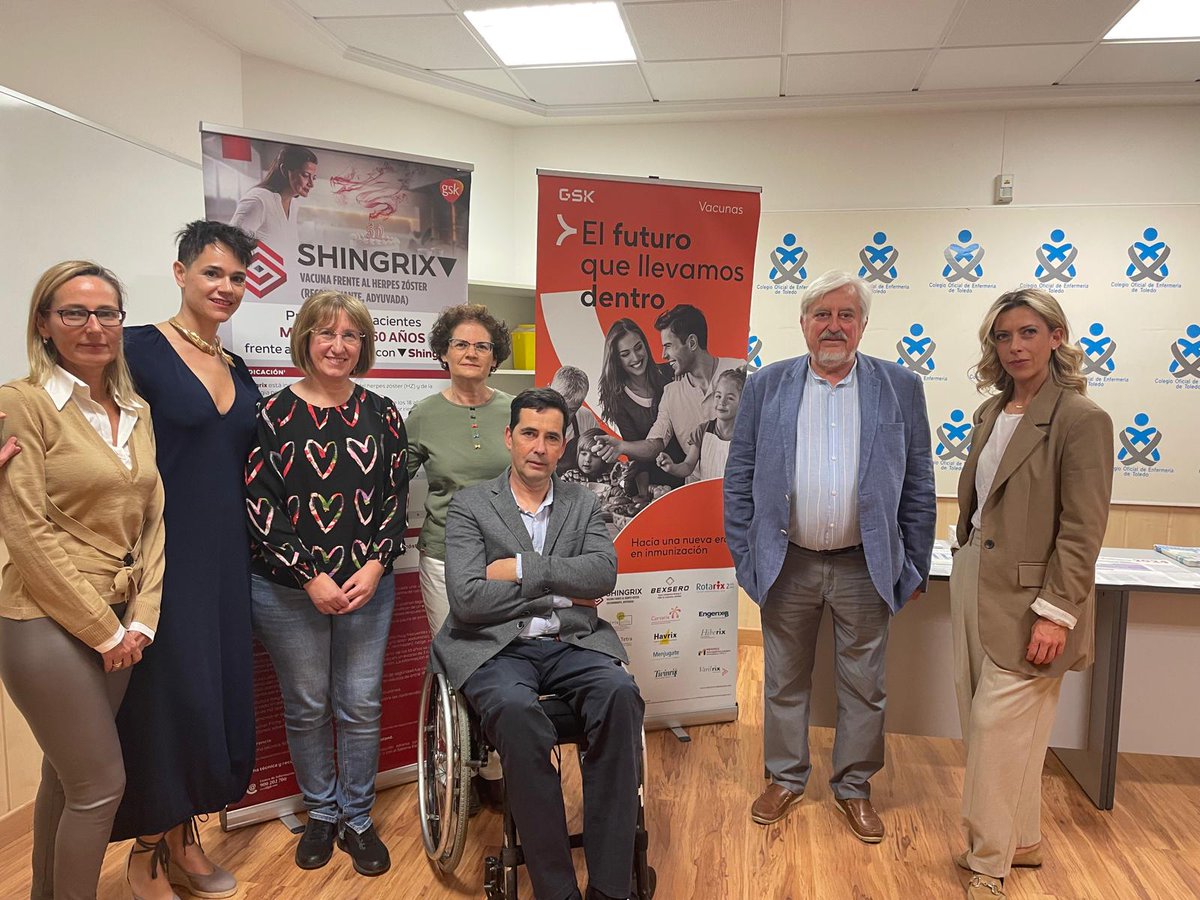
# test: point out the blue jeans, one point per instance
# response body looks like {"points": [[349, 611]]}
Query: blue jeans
{"points": [[329, 668]]}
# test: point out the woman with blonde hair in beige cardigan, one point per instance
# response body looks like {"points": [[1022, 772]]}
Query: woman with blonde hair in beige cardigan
{"points": [[81, 513]]}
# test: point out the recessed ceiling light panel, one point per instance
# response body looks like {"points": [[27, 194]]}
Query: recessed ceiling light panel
{"points": [[564, 34], [1159, 20]]}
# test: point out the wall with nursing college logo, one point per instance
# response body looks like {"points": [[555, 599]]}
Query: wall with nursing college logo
{"points": [[1126, 277]]}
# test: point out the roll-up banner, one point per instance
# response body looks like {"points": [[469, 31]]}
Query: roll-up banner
{"points": [[643, 311], [391, 229]]}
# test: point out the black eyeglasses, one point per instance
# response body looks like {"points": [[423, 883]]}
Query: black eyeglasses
{"points": [[481, 347], [77, 317]]}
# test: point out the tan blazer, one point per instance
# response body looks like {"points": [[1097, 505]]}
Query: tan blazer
{"points": [[1042, 525]]}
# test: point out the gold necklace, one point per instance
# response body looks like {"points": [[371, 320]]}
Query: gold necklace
{"points": [[212, 348]]}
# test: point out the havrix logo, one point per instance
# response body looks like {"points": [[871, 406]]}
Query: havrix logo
{"points": [[1139, 443], [1098, 352], [1148, 258], [878, 260], [787, 262], [916, 352], [954, 437], [265, 272], [1056, 259], [1185, 354], [964, 260]]}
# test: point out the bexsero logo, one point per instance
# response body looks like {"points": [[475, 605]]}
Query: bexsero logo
{"points": [[964, 259], [787, 262], [666, 673], [1185, 354], [707, 634], [1056, 259], [1148, 258], [712, 613], [1139, 443], [878, 260], [954, 437], [916, 352], [1098, 352], [665, 637]]}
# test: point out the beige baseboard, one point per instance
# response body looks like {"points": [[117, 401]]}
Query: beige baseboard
{"points": [[16, 823], [752, 636]]}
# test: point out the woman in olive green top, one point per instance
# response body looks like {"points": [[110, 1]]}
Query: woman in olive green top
{"points": [[81, 512], [457, 434]]}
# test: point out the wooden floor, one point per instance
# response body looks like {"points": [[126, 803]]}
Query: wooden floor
{"points": [[704, 845]]}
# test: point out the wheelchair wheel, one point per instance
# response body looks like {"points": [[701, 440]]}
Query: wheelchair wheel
{"points": [[443, 772]]}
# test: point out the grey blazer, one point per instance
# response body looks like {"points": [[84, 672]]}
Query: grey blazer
{"points": [[578, 560]]}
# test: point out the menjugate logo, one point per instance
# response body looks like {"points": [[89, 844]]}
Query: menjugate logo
{"points": [[664, 654]]}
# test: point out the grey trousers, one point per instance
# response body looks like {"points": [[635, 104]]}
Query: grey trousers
{"points": [[59, 685], [791, 615]]}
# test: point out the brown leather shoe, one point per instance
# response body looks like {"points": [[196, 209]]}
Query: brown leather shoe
{"points": [[773, 804], [1024, 858], [985, 887], [864, 821]]}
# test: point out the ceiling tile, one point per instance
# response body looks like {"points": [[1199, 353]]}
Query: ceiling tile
{"points": [[834, 26], [319, 8], [1144, 63], [986, 23], [713, 79], [704, 29], [427, 42], [583, 85], [854, 73], [995, 67], [492, 79]]}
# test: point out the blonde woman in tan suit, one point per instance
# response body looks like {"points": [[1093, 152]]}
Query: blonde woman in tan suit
{"points": [[1032, 508], [81, 513]]}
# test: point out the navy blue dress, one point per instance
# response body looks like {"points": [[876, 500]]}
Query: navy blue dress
{"points": [[187, 722]]}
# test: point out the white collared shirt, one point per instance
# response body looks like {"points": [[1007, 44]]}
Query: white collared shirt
{"points": [[537, 523], [62, 387]]}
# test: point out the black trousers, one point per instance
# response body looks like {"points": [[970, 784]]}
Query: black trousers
{"points": [[504, 694]]}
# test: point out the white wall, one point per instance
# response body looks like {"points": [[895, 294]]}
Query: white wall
{"points": [[130, 65], [1101, 156]]}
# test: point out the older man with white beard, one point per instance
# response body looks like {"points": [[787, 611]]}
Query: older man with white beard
{"points": [[829, 501]]}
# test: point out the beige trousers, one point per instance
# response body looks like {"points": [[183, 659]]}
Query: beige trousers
{"points": [[432, 573], [1006, 720]]}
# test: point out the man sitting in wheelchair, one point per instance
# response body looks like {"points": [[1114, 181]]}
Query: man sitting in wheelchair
{"points": [[528, 558]]}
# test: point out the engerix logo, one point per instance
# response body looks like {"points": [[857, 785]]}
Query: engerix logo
{"points": [[576, 195]]}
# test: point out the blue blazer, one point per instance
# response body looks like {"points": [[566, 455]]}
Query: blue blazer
{"points": [[897, 507]]}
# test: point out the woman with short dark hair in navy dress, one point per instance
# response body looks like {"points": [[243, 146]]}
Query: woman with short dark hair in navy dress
{"points": [[187, 723]]}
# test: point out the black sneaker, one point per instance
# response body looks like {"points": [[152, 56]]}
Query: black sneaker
{"points": [[316, 844], [366, 850]]}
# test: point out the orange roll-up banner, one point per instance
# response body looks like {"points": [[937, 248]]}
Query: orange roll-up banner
{"points": [[643, 312]]}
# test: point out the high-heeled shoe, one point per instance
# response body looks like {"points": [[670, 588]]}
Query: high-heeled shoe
{"points": [[161, 859], [217, 884]]}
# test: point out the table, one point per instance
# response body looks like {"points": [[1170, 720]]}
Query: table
{"points": [[1118, 573]]}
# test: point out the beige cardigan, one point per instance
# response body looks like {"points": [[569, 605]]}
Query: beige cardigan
{"points": [[83, 532]]}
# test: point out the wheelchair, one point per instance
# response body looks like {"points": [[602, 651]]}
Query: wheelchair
{"points": [[452, 748]]}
